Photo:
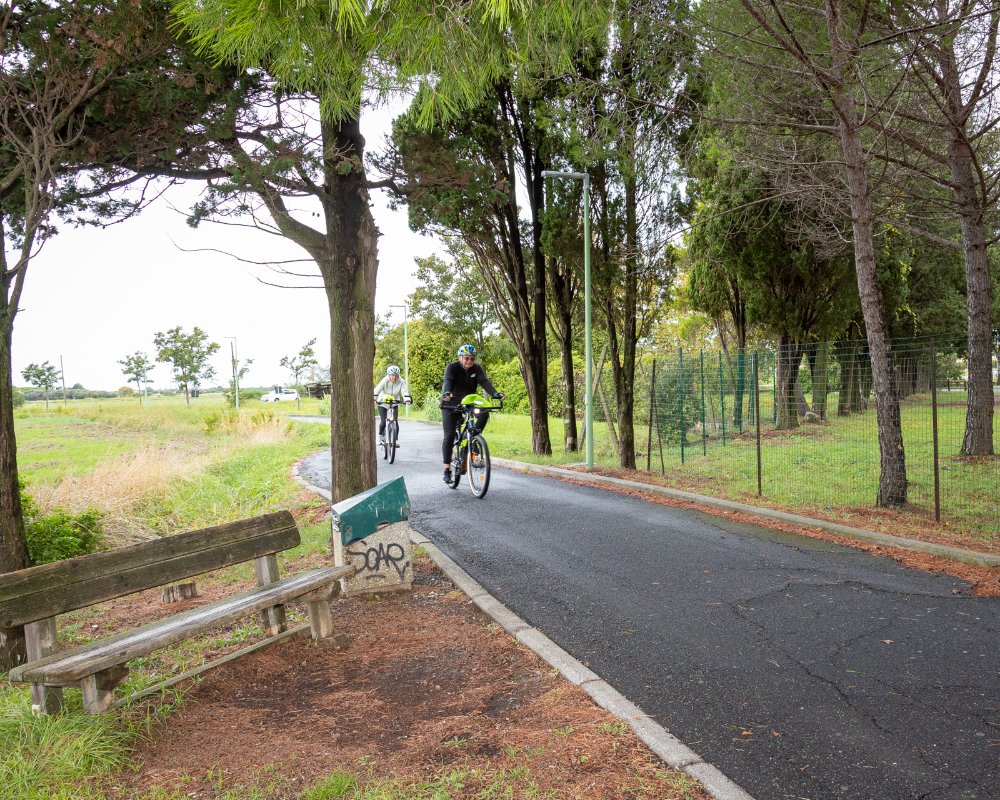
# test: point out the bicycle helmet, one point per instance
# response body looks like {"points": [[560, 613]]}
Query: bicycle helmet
{"points": [[467, 350], [393, 370]]}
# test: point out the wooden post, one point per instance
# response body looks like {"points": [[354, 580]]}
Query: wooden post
{"points": [[99, 689], [273, 619], [42, 639]]}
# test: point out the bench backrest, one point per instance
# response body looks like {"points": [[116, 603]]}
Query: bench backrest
{"points": [[50, 589]]}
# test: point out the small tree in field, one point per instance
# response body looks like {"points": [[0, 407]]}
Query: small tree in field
{"points": [[299, 363], [42, 376], [136, 368], [187, 354]]}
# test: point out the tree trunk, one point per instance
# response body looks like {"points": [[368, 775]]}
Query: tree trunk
{"points": [[801, 404], [978, 440], [13, 548], [789, 356], [892, 480], [564, 333], [349, 270], [538, 385], [819, 364], [624, 371]]}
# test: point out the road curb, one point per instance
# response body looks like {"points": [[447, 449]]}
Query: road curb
{"points": [[929, 548], [667, 747]]}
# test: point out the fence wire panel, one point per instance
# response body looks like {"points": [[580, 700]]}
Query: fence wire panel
{"points": [[699, 414]]}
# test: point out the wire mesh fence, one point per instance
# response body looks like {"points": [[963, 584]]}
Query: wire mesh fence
{"points": [[796, 424]]}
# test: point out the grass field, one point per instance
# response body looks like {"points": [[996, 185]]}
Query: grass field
{"points": [[830, 469]]}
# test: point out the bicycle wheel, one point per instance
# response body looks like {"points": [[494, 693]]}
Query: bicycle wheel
{"points": [[391, 434], [479, 466], [384, 444]]}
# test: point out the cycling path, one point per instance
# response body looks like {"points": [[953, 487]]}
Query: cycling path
{"points": [[801, 668]]}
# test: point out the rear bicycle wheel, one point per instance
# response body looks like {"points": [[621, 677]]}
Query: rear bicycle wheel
{"points": [[391, 434], [479, 466]]}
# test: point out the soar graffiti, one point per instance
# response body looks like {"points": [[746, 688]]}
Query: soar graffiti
{"points": [[375, 561]]}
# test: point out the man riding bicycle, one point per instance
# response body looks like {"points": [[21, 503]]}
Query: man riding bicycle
{"points": [[392, 385], [461, 377]]}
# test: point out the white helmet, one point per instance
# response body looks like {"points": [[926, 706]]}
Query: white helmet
{"points": [[393, 370]]}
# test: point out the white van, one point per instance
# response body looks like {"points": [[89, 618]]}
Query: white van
{"points": [[280, 393]]}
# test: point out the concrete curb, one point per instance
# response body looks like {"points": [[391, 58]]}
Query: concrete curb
{"points": [[667, 747], [954, 553]]}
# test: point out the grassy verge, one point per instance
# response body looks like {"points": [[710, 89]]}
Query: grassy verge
{"points": [[829, 470]]}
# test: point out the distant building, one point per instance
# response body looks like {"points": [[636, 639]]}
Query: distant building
{"points": [[319, 390]]}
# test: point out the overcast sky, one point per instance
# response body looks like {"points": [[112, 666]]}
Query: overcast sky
{"points": [[94, 296]]}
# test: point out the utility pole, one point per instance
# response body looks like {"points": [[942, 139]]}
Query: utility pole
{"points": [[62, 374], [236, 376]]}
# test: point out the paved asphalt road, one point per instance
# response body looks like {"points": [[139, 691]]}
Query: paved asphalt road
{"points": [[800, 668]]}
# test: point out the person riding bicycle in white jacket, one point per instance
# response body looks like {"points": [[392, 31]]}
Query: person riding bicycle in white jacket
{"points": [[392, 385]]}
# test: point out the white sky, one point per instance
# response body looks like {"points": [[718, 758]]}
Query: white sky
{"points": [[94, 296]]}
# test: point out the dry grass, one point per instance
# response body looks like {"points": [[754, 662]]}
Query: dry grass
{"points": [[119, 486]]}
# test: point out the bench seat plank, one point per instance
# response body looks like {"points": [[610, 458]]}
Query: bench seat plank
{"points": [[70, 667], [50, 589]]}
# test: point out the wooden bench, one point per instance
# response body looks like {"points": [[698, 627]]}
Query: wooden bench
{"points": [[34, 597]]}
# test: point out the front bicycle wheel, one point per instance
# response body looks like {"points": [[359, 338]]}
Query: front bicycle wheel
{"points": [[479, 466], [390, 440]]}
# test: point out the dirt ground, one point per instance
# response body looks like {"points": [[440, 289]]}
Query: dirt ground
{"points": [[429, 684]]}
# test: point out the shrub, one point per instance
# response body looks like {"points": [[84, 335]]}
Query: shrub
{"points": [[59, 535], [432, 405], [18, 398]]}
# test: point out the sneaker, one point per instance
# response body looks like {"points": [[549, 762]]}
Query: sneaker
{"points": [[447, 476]]}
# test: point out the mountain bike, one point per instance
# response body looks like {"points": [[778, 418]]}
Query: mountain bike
{"points": [[390, 441], [471, 454]]}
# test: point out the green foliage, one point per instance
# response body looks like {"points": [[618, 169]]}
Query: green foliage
{"points": [[42, 757], [58, 535], [452, 296], [431, 348], [18, 398], [43, 375], [187, 354], [304, 360], [136, 368], [432, 405], [337, 785], [507, 379]]}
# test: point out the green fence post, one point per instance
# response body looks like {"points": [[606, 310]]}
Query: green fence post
{"points": [[680, 415], [704, 431], [652, 401], [722, 401], [756, 395], [774, 394]]}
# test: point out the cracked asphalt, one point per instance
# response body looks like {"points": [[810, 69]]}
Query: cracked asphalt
{"points": [[801, 668]]}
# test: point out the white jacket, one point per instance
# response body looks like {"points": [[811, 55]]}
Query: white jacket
{"points": [[398, 388]]}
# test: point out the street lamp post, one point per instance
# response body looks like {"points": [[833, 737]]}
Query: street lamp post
{"points": [[236, 377], [588, 400], [406, 349]]}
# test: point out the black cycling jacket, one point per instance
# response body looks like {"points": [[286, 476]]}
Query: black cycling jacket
{"points": [[458, 381]]}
